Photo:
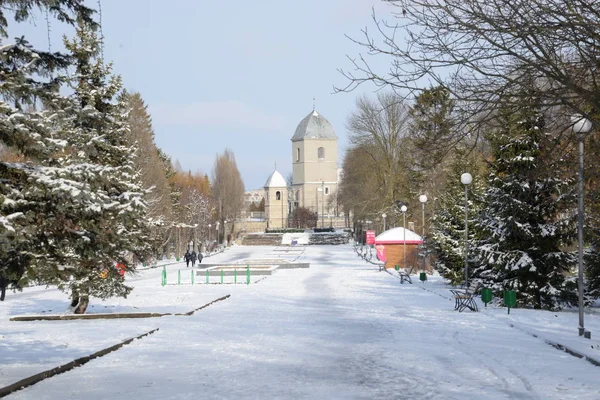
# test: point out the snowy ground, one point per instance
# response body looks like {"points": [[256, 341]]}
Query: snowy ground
{"points": [[340, 330]]}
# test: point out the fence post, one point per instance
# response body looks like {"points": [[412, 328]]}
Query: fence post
{"points": [[192, 272], [206, 275], [164, 276], [179, 277], [221, 276], [247, 274], [235, 276]]}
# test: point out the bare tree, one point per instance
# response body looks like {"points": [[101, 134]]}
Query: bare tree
{"points": [[479, 50], [380, 129], [227, 189]]}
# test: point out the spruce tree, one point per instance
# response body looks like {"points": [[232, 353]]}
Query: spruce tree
{"points": [[527, 220], [93, 215], [448, 222], [27, 135]]}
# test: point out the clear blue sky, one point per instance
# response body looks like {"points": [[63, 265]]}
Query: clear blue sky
{"points": [[232, 74]]}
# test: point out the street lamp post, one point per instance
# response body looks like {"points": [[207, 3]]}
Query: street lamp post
{"points": [[209, 226], [466, 180], [218, 233], [322, 204], [581, 126], [225, 232], [423, 200], [403, 209], [383, 216]]}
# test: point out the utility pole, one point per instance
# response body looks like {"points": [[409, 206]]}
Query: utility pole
{"points": [[322, 204]]}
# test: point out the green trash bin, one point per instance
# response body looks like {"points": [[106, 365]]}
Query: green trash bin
{"points": [[486, 295], [510, 299], [397, 267], [423, 277]]}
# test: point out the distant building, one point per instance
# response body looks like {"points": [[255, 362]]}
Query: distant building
{"points": [[315, 167], [315, 177], [276, 201], [253, 197]]}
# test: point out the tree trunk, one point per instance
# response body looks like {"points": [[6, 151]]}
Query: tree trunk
{"points": [[81, 305], [2, 288]]}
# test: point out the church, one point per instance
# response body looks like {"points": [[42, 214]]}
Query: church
{"points": [[315, 176]]}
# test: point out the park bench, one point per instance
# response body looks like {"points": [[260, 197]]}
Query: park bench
{"points": [[464, 299], [405, 275]]}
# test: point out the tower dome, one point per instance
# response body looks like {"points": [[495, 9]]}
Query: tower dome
{"points": [[275, 180], [314, 126]]}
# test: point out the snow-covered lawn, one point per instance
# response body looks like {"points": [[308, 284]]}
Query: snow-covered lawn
{"points": [[339, 330]]}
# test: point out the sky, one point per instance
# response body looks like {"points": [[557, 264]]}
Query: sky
{"points": [[340, 329], [232, 74]]}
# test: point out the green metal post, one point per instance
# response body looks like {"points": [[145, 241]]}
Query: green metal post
{"points": [[164, 276], [235, 276], [179, 277], [192, 272], [207, 275], [247, 275], [221, 276]]}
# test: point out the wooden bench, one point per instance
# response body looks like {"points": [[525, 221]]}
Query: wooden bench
{"points": [[464, 299], [404, 276]]}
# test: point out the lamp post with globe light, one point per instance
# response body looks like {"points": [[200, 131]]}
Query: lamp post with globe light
{"points": [[581, 126], [423, 200], [466, 180], [403, 210], [383, 216]]}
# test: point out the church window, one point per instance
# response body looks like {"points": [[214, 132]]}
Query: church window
{"points": [[278, 195], [298, 195], [327, 190], [297, 154], [321, 153]]}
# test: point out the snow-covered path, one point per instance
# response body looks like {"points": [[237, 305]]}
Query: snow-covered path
{"points": [[340, 329]]}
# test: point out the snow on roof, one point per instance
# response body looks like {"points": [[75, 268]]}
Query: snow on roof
{"points": [[276, 180], [314, 126], [396, 236]]}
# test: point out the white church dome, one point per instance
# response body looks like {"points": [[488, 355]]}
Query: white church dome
{"points": [[276, 180], [314, 126]]}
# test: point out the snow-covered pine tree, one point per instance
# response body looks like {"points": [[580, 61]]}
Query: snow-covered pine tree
{"points": [[26, 135], [99, 217], [527, 217], [448, 222]]}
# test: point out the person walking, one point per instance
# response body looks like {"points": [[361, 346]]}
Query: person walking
{"points": [[187, 257], [193, 256]]}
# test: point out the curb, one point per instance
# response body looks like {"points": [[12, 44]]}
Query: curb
{"points": [[32, 380], [69, 317], [559, 346]]}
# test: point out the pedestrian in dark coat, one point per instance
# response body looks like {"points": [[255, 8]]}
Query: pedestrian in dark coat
{"points": [[193, 258], [187, 257]]}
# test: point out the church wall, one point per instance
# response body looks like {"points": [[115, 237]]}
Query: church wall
{"points": [[276, 210], [298, 166]]}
